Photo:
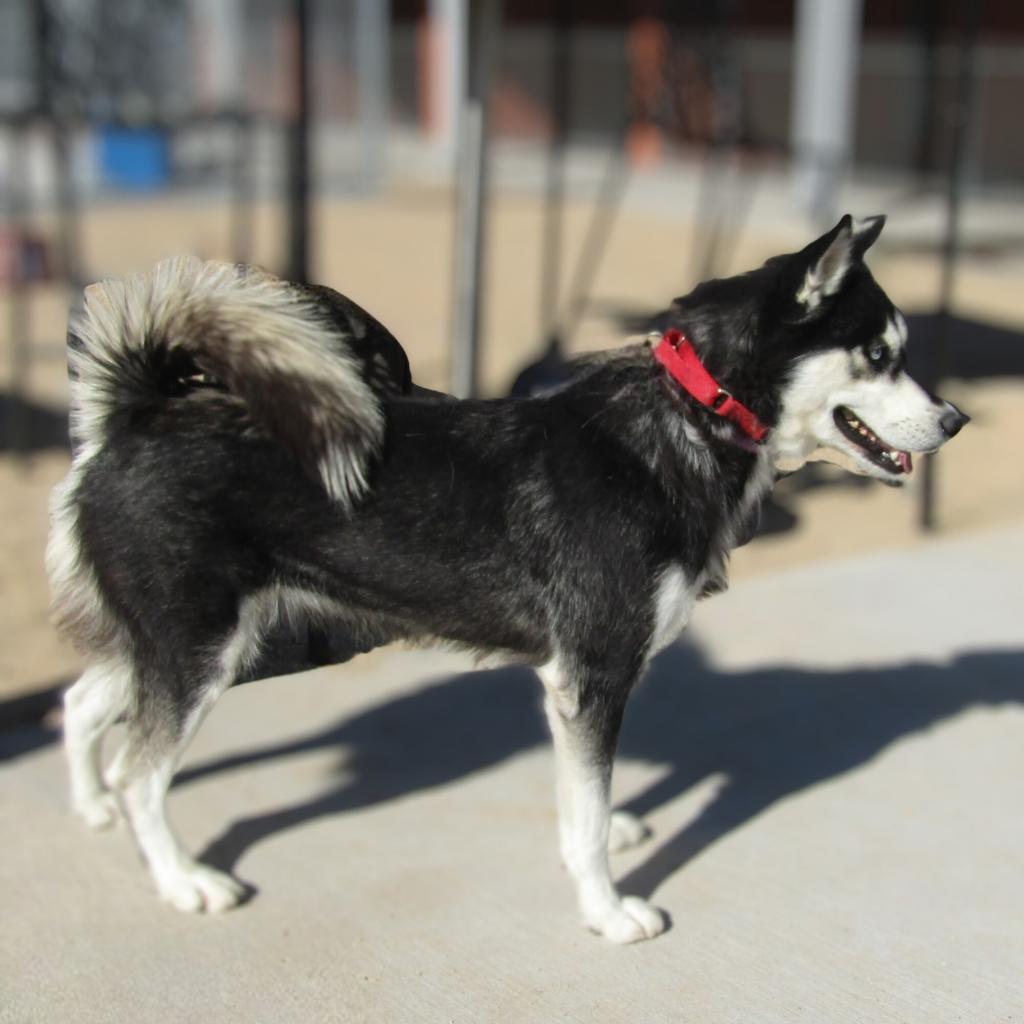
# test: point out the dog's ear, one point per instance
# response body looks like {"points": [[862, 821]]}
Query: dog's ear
{"points": [[825, 263], [865, 233]]}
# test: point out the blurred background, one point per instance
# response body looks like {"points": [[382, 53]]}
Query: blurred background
{"points": [[507, 183]]}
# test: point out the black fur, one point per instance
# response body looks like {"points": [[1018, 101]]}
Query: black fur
{"points": [[517, 527], [533, 529]]}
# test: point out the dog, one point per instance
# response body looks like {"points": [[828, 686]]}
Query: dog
{"points": [[248, 451]]}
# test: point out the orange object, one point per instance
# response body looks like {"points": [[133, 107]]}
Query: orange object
{"points": [[646, 48], [429, 59]]}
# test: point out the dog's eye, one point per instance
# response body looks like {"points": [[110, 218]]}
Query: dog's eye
{"points": [[877, 352]]}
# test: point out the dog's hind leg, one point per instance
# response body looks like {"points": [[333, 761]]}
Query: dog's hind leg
{"points": [[142, 773], [91, 706], [585, 733], [144, 768]]}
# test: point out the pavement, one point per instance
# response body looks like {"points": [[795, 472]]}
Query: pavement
{"points": [[831, 762]]}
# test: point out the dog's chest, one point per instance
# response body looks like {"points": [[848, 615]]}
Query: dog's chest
{"points": [[673, 601]]}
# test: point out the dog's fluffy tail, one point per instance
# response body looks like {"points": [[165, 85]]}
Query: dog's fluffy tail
{"points": [[265, 341]]}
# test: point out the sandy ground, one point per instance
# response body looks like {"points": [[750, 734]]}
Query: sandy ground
{"points": [[393, 254]]}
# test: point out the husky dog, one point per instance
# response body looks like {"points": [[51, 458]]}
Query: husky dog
{"points": [[248, 450]]}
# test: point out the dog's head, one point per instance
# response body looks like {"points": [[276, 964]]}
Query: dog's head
{"points": [[816, 346]]}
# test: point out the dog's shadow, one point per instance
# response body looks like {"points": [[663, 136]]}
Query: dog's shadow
{"points": [[768, 733]]}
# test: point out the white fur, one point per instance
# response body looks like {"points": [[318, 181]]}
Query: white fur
{"points": [[142, 777], [895, 333], [559, 687], [273, 329], [91, 706], [899, 411], [585, 828], [561, 702], [697, 451], [180, 880], [674, 600]]}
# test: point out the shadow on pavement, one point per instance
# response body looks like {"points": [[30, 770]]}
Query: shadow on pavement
{"points": [[769, 733], [27, 426], [25, 724], [774, 732]]}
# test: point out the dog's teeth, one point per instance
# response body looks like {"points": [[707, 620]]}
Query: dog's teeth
{"points": [[854, 423]]}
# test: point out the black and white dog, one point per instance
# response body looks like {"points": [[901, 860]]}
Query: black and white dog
{"points": [[248, 451]]}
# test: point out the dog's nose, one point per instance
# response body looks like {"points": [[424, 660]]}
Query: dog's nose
{"points": [[953, 420]]}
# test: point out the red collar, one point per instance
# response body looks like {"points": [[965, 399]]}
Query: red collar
{"points": [[677, 355]]}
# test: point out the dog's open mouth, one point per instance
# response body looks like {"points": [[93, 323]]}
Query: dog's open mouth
{"points": [[859, 433]]}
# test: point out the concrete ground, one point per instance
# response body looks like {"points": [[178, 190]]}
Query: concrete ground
{"points": [[831, 763]]}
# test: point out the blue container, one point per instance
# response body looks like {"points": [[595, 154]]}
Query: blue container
{"points": [[134, 158]]}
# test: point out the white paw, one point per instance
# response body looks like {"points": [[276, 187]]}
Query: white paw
{"points": [[625, 831], [99, 810], [198, 888], [630, 920]]}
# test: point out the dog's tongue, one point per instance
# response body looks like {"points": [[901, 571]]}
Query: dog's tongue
{"points": [[906, 464]]}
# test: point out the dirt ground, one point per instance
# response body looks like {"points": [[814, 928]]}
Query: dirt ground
{"points": [[394, 256]]}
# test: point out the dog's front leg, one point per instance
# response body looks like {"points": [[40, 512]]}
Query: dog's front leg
{"points": [[585, 736]]}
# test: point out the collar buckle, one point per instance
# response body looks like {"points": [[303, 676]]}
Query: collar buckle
{"points": [[678, 356]]}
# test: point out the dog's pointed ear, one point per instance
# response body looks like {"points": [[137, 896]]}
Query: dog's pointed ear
{"points": [[827, 260], [865, 233]]}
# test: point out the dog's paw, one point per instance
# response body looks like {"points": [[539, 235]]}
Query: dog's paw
{"points": [[197, 888], [630, 920], [99, 810], [625, 831]]}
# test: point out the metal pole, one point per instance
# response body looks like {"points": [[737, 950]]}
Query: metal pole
{"points": [[243, 127], [959, 119], [448, 71], [717, 201], [595, 243], [372, 19], [481, 38], [16, 427], [220, 33], [298, 150], [550, 264], [50, 105], [825, 70], [929, 29]]}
